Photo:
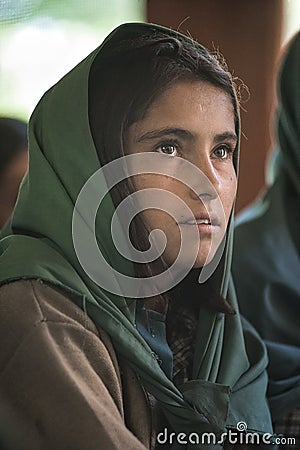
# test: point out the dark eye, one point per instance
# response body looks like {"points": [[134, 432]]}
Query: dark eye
{"points": [[167, 149], [222, 152]]}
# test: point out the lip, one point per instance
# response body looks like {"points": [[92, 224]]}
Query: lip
{"points": [[206, 223], [203, 229], [202, 220]]}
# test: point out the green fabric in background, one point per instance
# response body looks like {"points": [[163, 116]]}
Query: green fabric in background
{"points": [[267, 249]]}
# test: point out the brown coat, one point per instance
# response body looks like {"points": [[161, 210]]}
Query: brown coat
{"points": [[61, 383]]}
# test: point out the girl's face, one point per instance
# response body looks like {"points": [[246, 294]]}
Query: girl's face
{"points": [[194, 121]]}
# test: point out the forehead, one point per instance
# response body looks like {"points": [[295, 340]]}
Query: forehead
{"points": [[192, 105]]}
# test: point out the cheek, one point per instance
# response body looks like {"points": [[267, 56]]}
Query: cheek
{"points": [[147, 181], [150, 181], [139, 182], [233, 183], [230, 193], [155, 216]]}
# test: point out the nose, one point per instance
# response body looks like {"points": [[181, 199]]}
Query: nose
{"points": [[207, 185]]}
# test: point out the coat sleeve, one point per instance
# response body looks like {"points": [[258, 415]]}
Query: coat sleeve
{"points": [[59, 384]]}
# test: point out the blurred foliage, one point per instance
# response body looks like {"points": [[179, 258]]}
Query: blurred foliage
{"points": [[41, 40], [91, 11]]}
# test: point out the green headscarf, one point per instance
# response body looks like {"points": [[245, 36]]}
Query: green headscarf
{"points": [[229, 366], [267, 249]]}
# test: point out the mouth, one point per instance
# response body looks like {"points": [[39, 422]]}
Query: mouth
{"points": [[205, 222]]}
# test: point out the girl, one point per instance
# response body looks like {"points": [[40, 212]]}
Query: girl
{"points": [[91, 356]]}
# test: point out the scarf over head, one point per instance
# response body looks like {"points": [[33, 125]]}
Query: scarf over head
{"points": [[267, 249], [229, 379]]}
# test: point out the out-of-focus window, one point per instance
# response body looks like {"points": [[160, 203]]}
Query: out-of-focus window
{"points": [[41, 40], [291, 20]]}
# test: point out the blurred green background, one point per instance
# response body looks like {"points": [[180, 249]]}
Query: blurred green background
{"points": [[41, 40]]}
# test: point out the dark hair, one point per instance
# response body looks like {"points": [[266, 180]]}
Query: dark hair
{"points": [[125, 80], [13, 140]]}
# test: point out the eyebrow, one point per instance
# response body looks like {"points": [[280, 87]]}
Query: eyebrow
{"points": [[155, 134], [184, 134], [227, 136]]}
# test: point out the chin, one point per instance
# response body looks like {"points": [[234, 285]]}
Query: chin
{"points": [[205, 256], [206, 253], [203, 260], [200, 263]]}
